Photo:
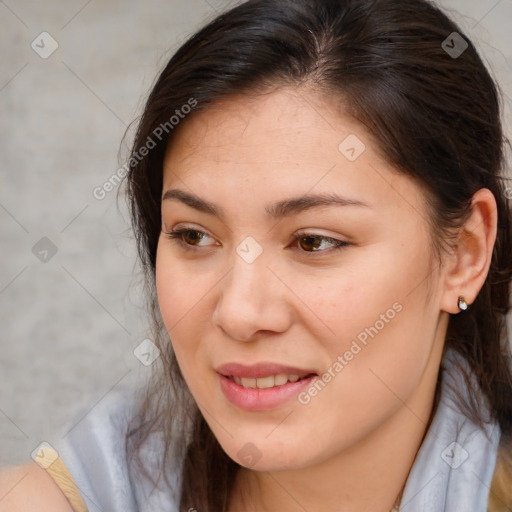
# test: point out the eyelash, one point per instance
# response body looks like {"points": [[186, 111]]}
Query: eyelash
{"points": [[177, 236]]}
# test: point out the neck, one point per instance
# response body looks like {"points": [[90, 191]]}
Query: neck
{"points": [[369, 476]]}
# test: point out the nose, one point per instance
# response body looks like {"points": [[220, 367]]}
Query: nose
{"points": [[252, 301]]}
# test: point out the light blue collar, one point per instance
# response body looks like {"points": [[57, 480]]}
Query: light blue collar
{"points": [[454, 467]]}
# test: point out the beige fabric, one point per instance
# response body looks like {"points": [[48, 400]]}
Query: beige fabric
{"points": [[50, 461], [500, 496]]}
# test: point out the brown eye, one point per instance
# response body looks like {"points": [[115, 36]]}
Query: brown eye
{"points": [[311, 243], [192, 237], [187, 238]]}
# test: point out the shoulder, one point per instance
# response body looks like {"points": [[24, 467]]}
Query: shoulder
{"points": [[93, 446], [83, 467], [30, 488], [89, 462]]}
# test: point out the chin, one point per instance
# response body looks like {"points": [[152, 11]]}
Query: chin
{"points": [[265, 456], [272, 464]]}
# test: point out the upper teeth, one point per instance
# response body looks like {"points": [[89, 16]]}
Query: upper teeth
{"points": [[266, 382]]}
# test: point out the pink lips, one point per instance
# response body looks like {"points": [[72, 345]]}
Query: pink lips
{"points": [[250, 399]]}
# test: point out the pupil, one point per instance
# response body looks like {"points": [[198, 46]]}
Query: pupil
{"points": [[314, 240], [197, 237]]}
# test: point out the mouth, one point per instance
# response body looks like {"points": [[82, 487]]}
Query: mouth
{"points": [[263, 386]]}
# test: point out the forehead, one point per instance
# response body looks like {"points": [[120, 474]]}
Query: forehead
{"points": [[298, 124], [287, 141]]}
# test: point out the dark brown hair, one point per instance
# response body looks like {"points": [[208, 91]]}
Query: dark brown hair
{"points": [[436, 118]]}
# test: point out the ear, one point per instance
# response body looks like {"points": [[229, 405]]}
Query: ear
{"points": [[467, 266]]}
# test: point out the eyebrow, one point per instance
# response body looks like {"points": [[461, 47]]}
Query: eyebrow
{"points": [[276, 210]]}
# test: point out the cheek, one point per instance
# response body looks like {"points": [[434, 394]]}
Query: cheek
{"points": [[180, 286], [178, 300], [184, 292], [364, 292], [380, 323], [386, 327]]}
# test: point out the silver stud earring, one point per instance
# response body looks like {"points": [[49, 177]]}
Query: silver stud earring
{"points": [[462, 304]]}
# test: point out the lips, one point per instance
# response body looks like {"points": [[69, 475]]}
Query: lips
{"points": [[263, 386]]}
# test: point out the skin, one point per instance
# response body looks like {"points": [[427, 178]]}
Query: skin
{"points": [[355, 442], [29, 488]]}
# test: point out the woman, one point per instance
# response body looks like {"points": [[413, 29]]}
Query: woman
{"points": [[317, 195]]}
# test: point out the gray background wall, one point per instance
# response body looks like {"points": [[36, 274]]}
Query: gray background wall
{"points": [[69, 321]]}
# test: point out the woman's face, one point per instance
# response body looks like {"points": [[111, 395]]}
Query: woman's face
{"points": [[279, 284]]}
